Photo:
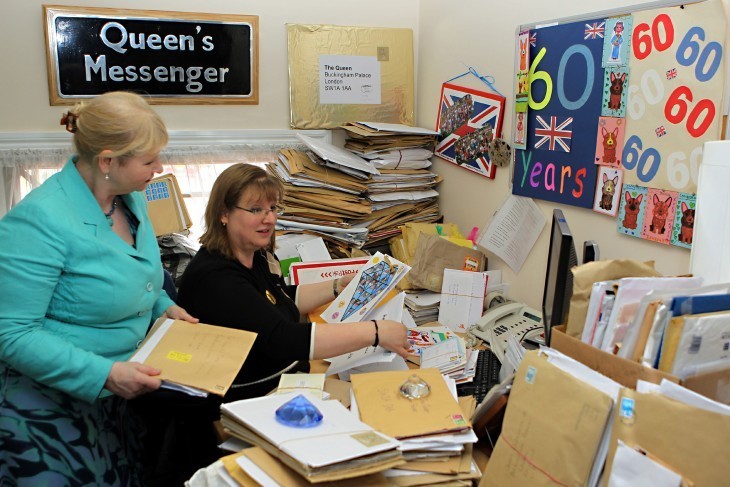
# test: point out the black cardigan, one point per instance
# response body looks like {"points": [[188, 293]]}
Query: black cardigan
{"points": [[223, 292]]}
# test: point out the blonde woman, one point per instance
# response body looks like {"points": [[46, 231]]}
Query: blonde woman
{"points": [[81, 280]]}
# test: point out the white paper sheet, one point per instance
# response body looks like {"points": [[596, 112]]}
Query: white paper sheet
{"points": [[462, 298], [313, 250], [630, 468], [513, 231]]}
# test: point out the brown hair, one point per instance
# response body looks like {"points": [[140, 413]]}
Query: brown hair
{"points": [[119, 121], [227, 190]]}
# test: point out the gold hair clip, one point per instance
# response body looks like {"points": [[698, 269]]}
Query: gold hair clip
{"points": [[69, 120]]}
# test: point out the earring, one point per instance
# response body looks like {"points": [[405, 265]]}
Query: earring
{"points": [[106, 176], [224, 224]]}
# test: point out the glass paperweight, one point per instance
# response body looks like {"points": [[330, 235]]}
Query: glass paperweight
{"points": [[299, 413], [415, 388]]}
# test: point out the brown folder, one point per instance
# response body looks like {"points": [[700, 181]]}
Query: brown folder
{"points": [[165, 206], [690, 441], [552, 428], [383, 407], [202, 356]]}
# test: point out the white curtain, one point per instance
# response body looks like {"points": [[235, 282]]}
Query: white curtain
{"points": [[25, 169], [195, 167]]}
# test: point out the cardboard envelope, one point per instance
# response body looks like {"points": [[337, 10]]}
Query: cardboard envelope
{"points": [[690, 441], [551, 431], [165, 206], [201, 356], [382, 406]]}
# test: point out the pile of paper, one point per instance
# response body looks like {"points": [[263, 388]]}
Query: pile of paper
{"points": [[254, 466], [368, 138], [343, 197], [436, 437], [423, 306], [340, 447]]}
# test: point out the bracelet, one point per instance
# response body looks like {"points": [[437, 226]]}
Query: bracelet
{"points": [[377, 338], [334, 287]]}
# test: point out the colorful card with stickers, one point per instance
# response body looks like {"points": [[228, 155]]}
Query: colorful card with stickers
{"points": [[684, 221], [659, 216], [608, 190], [631, 212]]}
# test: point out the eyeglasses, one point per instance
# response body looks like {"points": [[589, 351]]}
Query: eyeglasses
{"points": [[263, 212]]}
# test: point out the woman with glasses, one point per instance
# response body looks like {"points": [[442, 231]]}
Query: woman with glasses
{"points": [[235, 281]]}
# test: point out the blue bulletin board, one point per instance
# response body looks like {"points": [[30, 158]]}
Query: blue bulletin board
{"points": [[564, 104], [657, 72]]}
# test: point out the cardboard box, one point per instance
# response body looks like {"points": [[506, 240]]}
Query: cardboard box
{"points": [[715, 385], [166, 206]]}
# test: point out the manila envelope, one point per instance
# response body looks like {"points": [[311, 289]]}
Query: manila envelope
{"points": [[384, 408], [690, 441], [283, 475], [203, 356], [451, 465], [551, 430]]}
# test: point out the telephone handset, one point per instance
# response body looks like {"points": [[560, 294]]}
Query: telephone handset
{"points": [[508, 319]]}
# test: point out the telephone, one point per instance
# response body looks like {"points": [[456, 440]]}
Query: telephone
{"points": [[508, 319]]}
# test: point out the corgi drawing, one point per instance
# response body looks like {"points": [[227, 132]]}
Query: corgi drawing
{"points": [[688, 224], [617, 87], [609, 144], [632, 207], [659, 217], [607, 192]]}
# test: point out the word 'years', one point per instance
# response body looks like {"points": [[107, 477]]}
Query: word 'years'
{"points": [[551, 177]]}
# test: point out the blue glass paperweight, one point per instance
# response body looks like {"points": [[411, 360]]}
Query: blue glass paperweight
{"points": [[299, 413]]}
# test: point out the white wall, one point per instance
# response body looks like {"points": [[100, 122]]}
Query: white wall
{"points": [[481, 34], [24, 93], [447, 37]]}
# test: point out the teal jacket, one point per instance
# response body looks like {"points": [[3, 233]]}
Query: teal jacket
{"points": [[74, 297]]}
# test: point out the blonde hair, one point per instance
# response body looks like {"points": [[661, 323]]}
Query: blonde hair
{"points": [[227, 190], [119, 121]]}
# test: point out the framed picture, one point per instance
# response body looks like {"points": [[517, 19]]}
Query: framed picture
{"points": [[171, 57], [468, 121]]}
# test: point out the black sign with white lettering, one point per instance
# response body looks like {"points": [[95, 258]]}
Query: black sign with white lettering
{"points": [[160, 57]]}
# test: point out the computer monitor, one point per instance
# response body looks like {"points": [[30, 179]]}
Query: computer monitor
{"points": [[558, 277]]}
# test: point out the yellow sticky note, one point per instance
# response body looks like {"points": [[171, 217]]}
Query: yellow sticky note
{"points": [[179, 356]]}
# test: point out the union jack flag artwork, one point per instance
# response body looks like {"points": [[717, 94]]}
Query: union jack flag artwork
{"points": [[464, 111], [594, 30], [552, 135], [533, 39], [660, 131], [672, 73]]}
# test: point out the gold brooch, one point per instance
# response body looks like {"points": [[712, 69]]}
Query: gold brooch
{"points": [[271, 297]]}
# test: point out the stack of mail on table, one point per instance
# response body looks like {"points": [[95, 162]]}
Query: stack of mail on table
{"points": [[436, 437], [254, 466], [404, 190], [320, 200], [339, 447], [423, 306]]}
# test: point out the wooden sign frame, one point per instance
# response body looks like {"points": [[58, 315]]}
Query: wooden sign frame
{"points": [[173, 58]]}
